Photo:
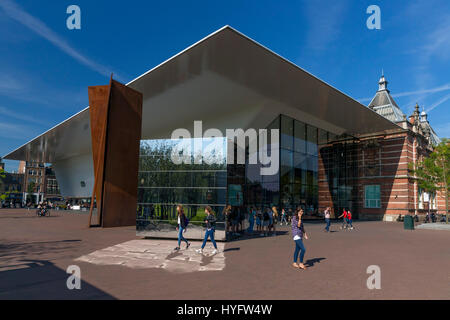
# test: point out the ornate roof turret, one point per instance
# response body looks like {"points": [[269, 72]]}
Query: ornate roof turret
{"points": [[423, 116], [384, 104], [425, 127], [382, 84]]}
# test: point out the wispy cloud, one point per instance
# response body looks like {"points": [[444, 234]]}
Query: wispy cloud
{"points": [[9, 84], [439, 102], [16, 131], [34, 24], [445, 87], [22, 117], [324, 24], [443, 130], [435, 45]]}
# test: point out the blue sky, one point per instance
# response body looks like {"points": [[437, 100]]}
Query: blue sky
{"points": [[45, 68]]}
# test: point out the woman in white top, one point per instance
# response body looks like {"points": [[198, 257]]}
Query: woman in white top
{"points": [[327, 215]]}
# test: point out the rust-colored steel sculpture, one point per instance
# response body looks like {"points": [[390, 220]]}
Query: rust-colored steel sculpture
{"points": [[116, 120]]}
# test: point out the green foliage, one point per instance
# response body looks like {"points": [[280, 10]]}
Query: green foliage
{"points": [[31, 187], [200, 217], [433, 173]]}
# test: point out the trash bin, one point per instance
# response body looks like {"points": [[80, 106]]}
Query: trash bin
{"points": [[408, 223]]}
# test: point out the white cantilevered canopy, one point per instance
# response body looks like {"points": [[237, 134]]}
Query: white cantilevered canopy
{"points": [[228, 81]]}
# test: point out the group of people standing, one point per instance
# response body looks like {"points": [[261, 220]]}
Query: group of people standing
{"points": [[264, 218]]}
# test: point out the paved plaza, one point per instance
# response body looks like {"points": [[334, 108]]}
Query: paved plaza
{"points": [[116, 264], [148, 254]]}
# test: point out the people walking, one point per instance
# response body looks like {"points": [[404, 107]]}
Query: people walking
{"points": [[210, 229], [283, 217], [350, 220], [182, 224], [327, 215], [344, 220], [298, 232]]}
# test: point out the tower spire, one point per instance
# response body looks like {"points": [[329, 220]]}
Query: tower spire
{"points": [[382, 84]]}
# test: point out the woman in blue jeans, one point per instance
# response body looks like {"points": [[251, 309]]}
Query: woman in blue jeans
{"points": [[182, 224], [298, 232], [327, 215], [210, 229]]}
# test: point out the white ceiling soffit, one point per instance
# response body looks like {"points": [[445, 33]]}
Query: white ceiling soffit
{"points": [[217, 80]]}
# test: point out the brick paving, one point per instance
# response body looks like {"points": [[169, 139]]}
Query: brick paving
{"points": [[35, 252]]}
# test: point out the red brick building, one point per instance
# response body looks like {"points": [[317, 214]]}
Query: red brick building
{"points": [[372, 177], [39, 182]]}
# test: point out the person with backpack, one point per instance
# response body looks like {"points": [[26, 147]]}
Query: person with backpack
{"points": [[183, 222], [210, 221], [298, 233]]}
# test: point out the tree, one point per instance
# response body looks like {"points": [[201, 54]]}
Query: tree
{"points": [[2, 176], [31, 187], [433, 172]]}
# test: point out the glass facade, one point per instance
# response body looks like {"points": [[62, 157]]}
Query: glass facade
{"points": [[310, 159], [340, 172], [262, 190], [299, 165], [163, 184]]}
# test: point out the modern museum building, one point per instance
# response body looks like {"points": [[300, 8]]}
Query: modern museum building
{"points": [[227, 82]]}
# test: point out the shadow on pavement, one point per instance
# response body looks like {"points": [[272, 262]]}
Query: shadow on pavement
{"points": [[12, 252], [33, 280], [254, 235], [312, 262], [231, 249]]}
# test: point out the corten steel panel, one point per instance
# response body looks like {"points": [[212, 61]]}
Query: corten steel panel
{"points": [[98, 101], [123, 135]]}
